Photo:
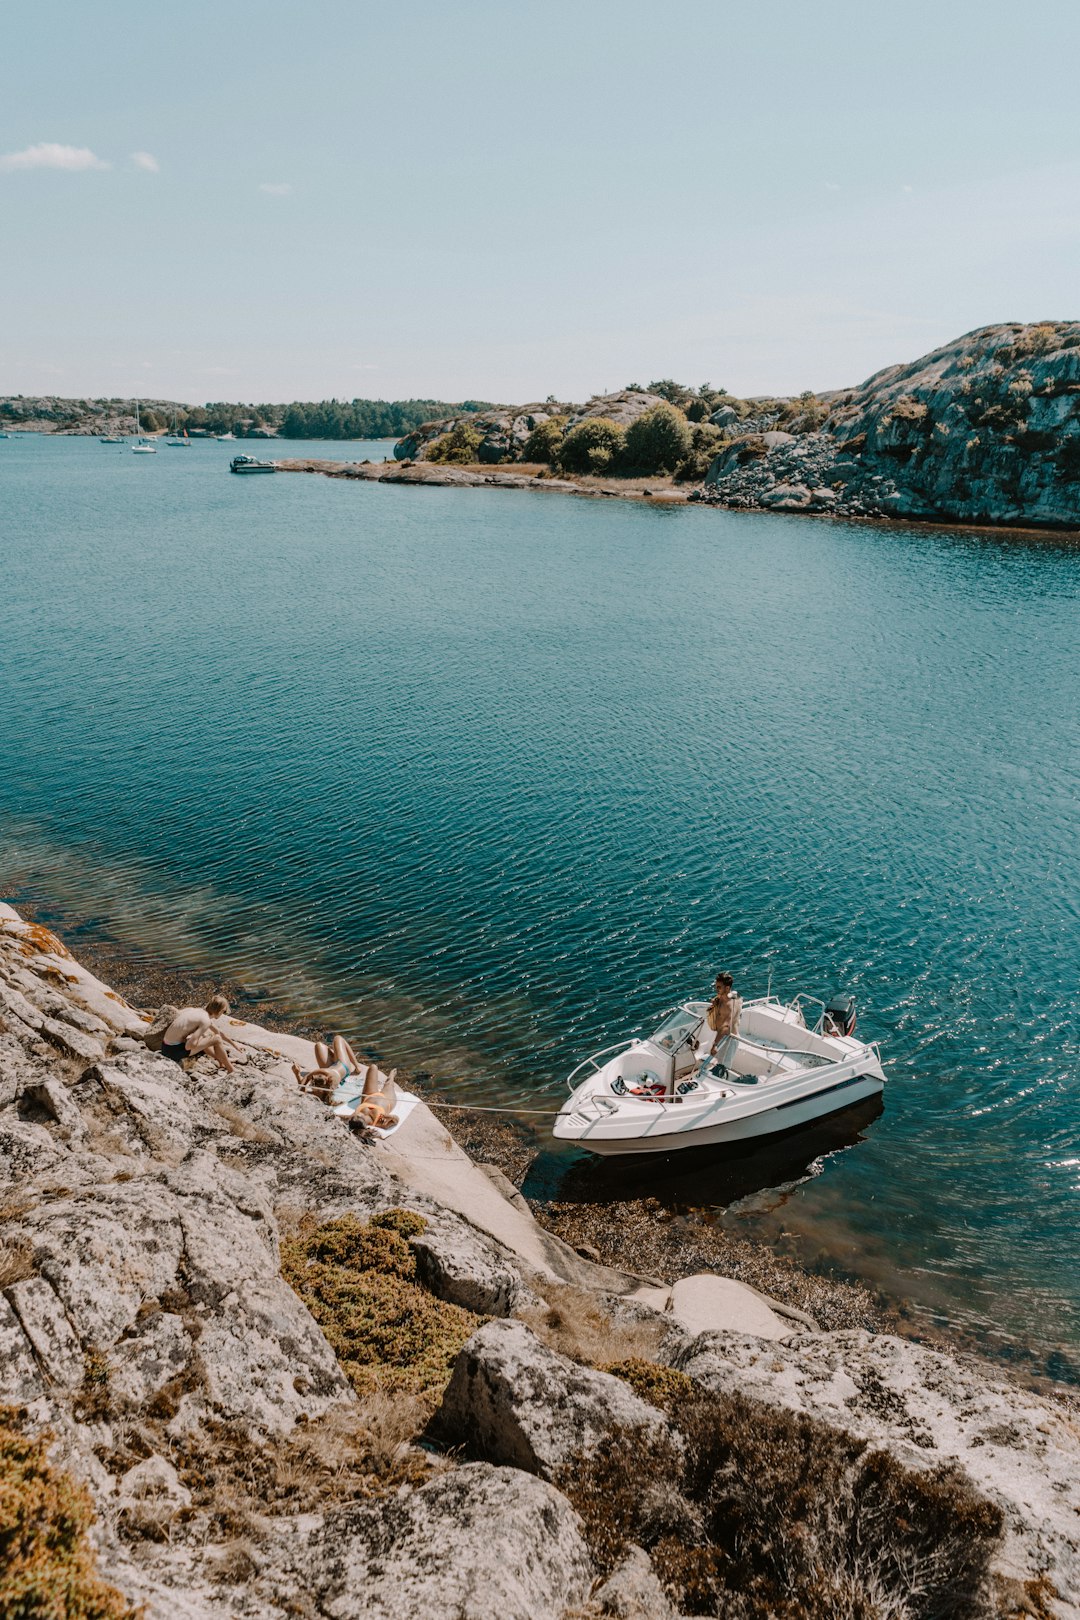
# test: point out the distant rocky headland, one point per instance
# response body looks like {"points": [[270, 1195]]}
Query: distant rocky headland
{"points": [[985, 430]]}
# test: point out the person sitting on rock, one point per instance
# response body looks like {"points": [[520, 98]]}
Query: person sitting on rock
{"points": [[194, 1031], [375, 1110], [335, 1063]]}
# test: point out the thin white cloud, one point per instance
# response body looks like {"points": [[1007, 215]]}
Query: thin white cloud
{"points": [[279, 189], [831, 185], [147, 161], [50, 155]]}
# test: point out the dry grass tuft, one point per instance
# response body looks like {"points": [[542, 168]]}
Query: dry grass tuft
{"points": [[16, 1261], [576, 1324], [47, 1562], [771, 1515], [358, 1279]]}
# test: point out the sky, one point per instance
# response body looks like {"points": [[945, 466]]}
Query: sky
{"points": [[506, 199]]}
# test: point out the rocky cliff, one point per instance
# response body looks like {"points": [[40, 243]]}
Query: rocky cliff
{"points": [[983, 430], [302, 1374]]}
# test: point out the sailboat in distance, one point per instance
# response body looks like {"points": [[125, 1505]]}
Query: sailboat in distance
{"points": [[143, 447]]}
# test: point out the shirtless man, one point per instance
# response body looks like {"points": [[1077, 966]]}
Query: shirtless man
{"points": [[193, 1030], [723, 1019]]}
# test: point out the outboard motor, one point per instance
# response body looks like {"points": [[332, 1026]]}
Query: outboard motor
{"points": [[839, 1016]]}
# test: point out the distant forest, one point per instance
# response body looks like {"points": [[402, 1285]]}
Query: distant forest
{"points": [[303, 419], [324, 418]]}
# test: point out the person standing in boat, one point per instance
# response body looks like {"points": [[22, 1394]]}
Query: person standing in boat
{"points": [[723, 1019]]}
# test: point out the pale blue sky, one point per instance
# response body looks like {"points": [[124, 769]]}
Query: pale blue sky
{"points": [[503, 199]]}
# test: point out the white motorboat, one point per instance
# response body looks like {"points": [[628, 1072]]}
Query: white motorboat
{"points": [[663, 1092], [248, 464]]}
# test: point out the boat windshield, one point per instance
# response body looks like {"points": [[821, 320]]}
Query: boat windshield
{"points": [[675, 1029]]}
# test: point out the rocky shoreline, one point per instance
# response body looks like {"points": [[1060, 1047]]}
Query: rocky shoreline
{"points": [[298, 1373]]}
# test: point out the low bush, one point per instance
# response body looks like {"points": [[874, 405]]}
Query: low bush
{"points": [[705, 443], [771, 1515], [908, 409], [458, 447], [47, 1563], [657, 441], [592, 446], [544, 441], [358, 1280]]}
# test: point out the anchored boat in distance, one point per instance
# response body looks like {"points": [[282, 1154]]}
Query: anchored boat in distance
{"points": [[248, 464], [664, 1092]]}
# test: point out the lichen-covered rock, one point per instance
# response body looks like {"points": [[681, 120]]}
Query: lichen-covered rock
{"points": [[465, 1267], [474, 1544], [632, 1591], [512, 1400], [985, 429]]}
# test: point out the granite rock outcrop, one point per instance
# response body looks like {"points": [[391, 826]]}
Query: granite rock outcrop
{"points": [[985, 429], [145, 1322]]}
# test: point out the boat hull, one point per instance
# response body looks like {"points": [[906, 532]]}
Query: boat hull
{"points": [[773, 1121]]}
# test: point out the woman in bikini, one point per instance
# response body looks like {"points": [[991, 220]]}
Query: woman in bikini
{"points": [[375, 1110], [336, 1063]]}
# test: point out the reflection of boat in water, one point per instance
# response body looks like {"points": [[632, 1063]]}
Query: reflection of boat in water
{"points": [[664, 1093], [248, 464]]}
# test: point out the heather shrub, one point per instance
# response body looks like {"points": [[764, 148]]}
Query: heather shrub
{"points": [[47, 1564], [458, 447], [358, 1280], [657, 441], [766, 1514], [592, 446]]}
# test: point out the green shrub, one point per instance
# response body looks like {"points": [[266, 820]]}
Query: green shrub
{"points": [[657, 440], [705, 443], [592, 446], [458, 447], [544, 441], [358, 1280], [47, 1564]]}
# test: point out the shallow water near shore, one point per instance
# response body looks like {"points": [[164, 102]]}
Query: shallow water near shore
{"points": [[491, 778]]}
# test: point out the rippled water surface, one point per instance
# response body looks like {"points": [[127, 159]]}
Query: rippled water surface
{"points": [[491, 778]]}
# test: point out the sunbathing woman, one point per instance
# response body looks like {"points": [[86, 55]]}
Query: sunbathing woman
{"points": [[336, 1064], [375, 1110]]}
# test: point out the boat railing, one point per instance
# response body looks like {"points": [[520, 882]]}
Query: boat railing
{"points": [[590, 1063]]}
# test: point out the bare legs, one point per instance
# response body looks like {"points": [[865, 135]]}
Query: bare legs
{"points": [[209, 1041]]}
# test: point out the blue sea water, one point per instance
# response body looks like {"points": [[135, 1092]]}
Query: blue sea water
{"points": [[489, 779]]}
